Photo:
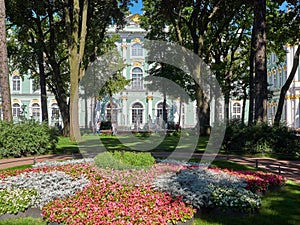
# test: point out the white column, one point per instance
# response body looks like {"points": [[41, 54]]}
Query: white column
{"points": [[150, 101], [124, 110]]}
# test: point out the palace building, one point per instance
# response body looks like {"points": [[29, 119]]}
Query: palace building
{"points": [[137, 106]]}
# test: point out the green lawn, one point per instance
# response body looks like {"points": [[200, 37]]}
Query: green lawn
{"points": [[156, 143], [278, 208], [23, 221]]}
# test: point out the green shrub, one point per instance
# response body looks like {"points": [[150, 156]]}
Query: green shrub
{"points": [[120, 160], [259, 138], [26, 138]]}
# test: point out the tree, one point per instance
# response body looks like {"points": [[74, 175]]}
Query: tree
{"points": [[260, 80], [39, 46], [195, 25], [4, 77], [48, 21], [286, 86], [113, 85], [286, 24]]}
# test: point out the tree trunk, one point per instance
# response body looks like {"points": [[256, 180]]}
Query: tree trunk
{"points": [[4, 76], [77, 37], [286, 86], [244, 104], [226, 102], [43, 89], [165, 114], [203, 112], [261, 90], [251, 79]]}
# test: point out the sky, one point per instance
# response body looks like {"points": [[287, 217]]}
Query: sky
{"points": [[137, 7]]}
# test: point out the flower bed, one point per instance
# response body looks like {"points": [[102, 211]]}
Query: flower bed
{"points": [[76, 193]]}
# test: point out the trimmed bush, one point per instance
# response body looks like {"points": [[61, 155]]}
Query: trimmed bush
{"points": [[120, 160], [259, 138], [25, 139]]}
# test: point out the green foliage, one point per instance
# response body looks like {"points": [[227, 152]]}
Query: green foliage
{"points": [[16, 200], [259, 138], [24, 139], [121, 160]]}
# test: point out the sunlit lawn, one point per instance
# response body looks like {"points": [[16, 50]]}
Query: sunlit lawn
{"points": [[278, 208], [154, 143]]}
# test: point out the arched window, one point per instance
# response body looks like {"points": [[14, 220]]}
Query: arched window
{"points": [[16, 83], [137, 113], [35, 110], [137, 78], [110, 117], [136, 50], [159, 111], [236, 111], [54, 111], [16, 109]]}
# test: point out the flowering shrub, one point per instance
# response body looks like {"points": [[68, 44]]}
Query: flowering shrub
{"points": [[107, 203], [204, 188], [14, 200], [49, 186], [61, 163], [85, 194], [257, 180], [241, 199]]}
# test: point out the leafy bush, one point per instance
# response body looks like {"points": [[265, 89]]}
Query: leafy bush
{"points": [[14, 200], [259, 138], [24, 139], [120, 160]]}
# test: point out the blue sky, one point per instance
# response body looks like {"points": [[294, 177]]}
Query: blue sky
{"points": [[137, 7]]}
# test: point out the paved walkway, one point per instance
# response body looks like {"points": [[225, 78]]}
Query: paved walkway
{"points": [[288, 169]]}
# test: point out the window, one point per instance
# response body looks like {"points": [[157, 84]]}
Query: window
{"points": [[137, 113], [114, 117], [16, 83], [137, 78], [54, 111], [160, 110], [16, 109], [236, 111], [137, 50], [35, 110]]}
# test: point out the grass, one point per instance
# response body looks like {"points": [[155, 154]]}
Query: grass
{"points": [[65, 146], [19, 167], [23, 221], [232, 165], [281, 207]]}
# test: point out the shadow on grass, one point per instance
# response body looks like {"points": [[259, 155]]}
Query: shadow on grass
{"points": [[278, 208]]}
